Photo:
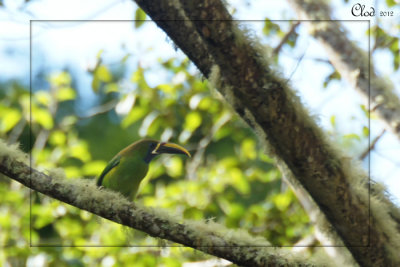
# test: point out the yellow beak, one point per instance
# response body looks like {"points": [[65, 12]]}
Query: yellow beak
{"points": [[170, 148]]}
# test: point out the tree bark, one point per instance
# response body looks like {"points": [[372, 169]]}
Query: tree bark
{"points": [[264, 100], [351, 62]]}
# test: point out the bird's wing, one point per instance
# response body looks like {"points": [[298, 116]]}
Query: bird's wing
{"points": [[114, 162]]}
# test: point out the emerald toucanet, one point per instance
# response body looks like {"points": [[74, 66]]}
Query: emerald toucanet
{"points": [[128, 168]]}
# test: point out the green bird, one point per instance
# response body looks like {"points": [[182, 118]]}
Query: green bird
{"points": [[127, 169]]}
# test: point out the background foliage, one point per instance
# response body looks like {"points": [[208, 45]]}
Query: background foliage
{"points": [[228, 179]]}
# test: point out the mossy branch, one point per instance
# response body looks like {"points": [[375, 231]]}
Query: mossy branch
{"points": [[351, 61], [212, 238], [244, 76]]}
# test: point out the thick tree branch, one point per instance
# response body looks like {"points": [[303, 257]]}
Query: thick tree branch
{"points": [[210, 238], [351, 62], [264, 100]]}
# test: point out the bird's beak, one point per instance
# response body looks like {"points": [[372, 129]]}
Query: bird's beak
{"points": [[170, 148]]}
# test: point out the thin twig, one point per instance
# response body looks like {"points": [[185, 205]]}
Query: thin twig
{"points": [[286, 37], [372, 145]]}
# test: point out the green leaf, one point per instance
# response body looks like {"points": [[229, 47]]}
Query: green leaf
{"points": [[57, 138], [365, 131], [43, 97], [394, 48], [9, 119], [140, 17], [365, 110], [43, 117], [111, 87], [80, 151], [238, 181], [98, 55], [103, 74], [271, 27], [65, 94], [249, 149], [351, 136], [192, 121], [282, 201], [60, 79], [390, 3], [333, 121], [44, 214], [166, 88], [333, 76], [95, 84], [125, 58]]}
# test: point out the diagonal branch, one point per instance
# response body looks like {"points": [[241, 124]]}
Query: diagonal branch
{"points": [[264, 100], [285, 38], [351, 62], [211, 238]]}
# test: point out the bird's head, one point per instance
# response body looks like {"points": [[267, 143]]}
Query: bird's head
{"points": [[151, 148]]}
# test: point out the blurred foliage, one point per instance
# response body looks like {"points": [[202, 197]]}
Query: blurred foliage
{"points": [[229, 179]]}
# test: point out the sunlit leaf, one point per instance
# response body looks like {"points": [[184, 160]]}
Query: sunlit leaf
{"points": [[43, 117], [60, 79], [111, 87], [238, 181], [125, 58], [192, 121], [43, 215], [57, 138], [333, 121], [98, 55], [43, 97], [205, 103], [365, 131], [166, 88], [80, 151], [95, 84], [395, 48], [103, 74], [140, 17], [270, 27], [9, 119], [282, 201], [333, 76], [352, 136], [365, 110], [249, 148], [65, 94]]}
